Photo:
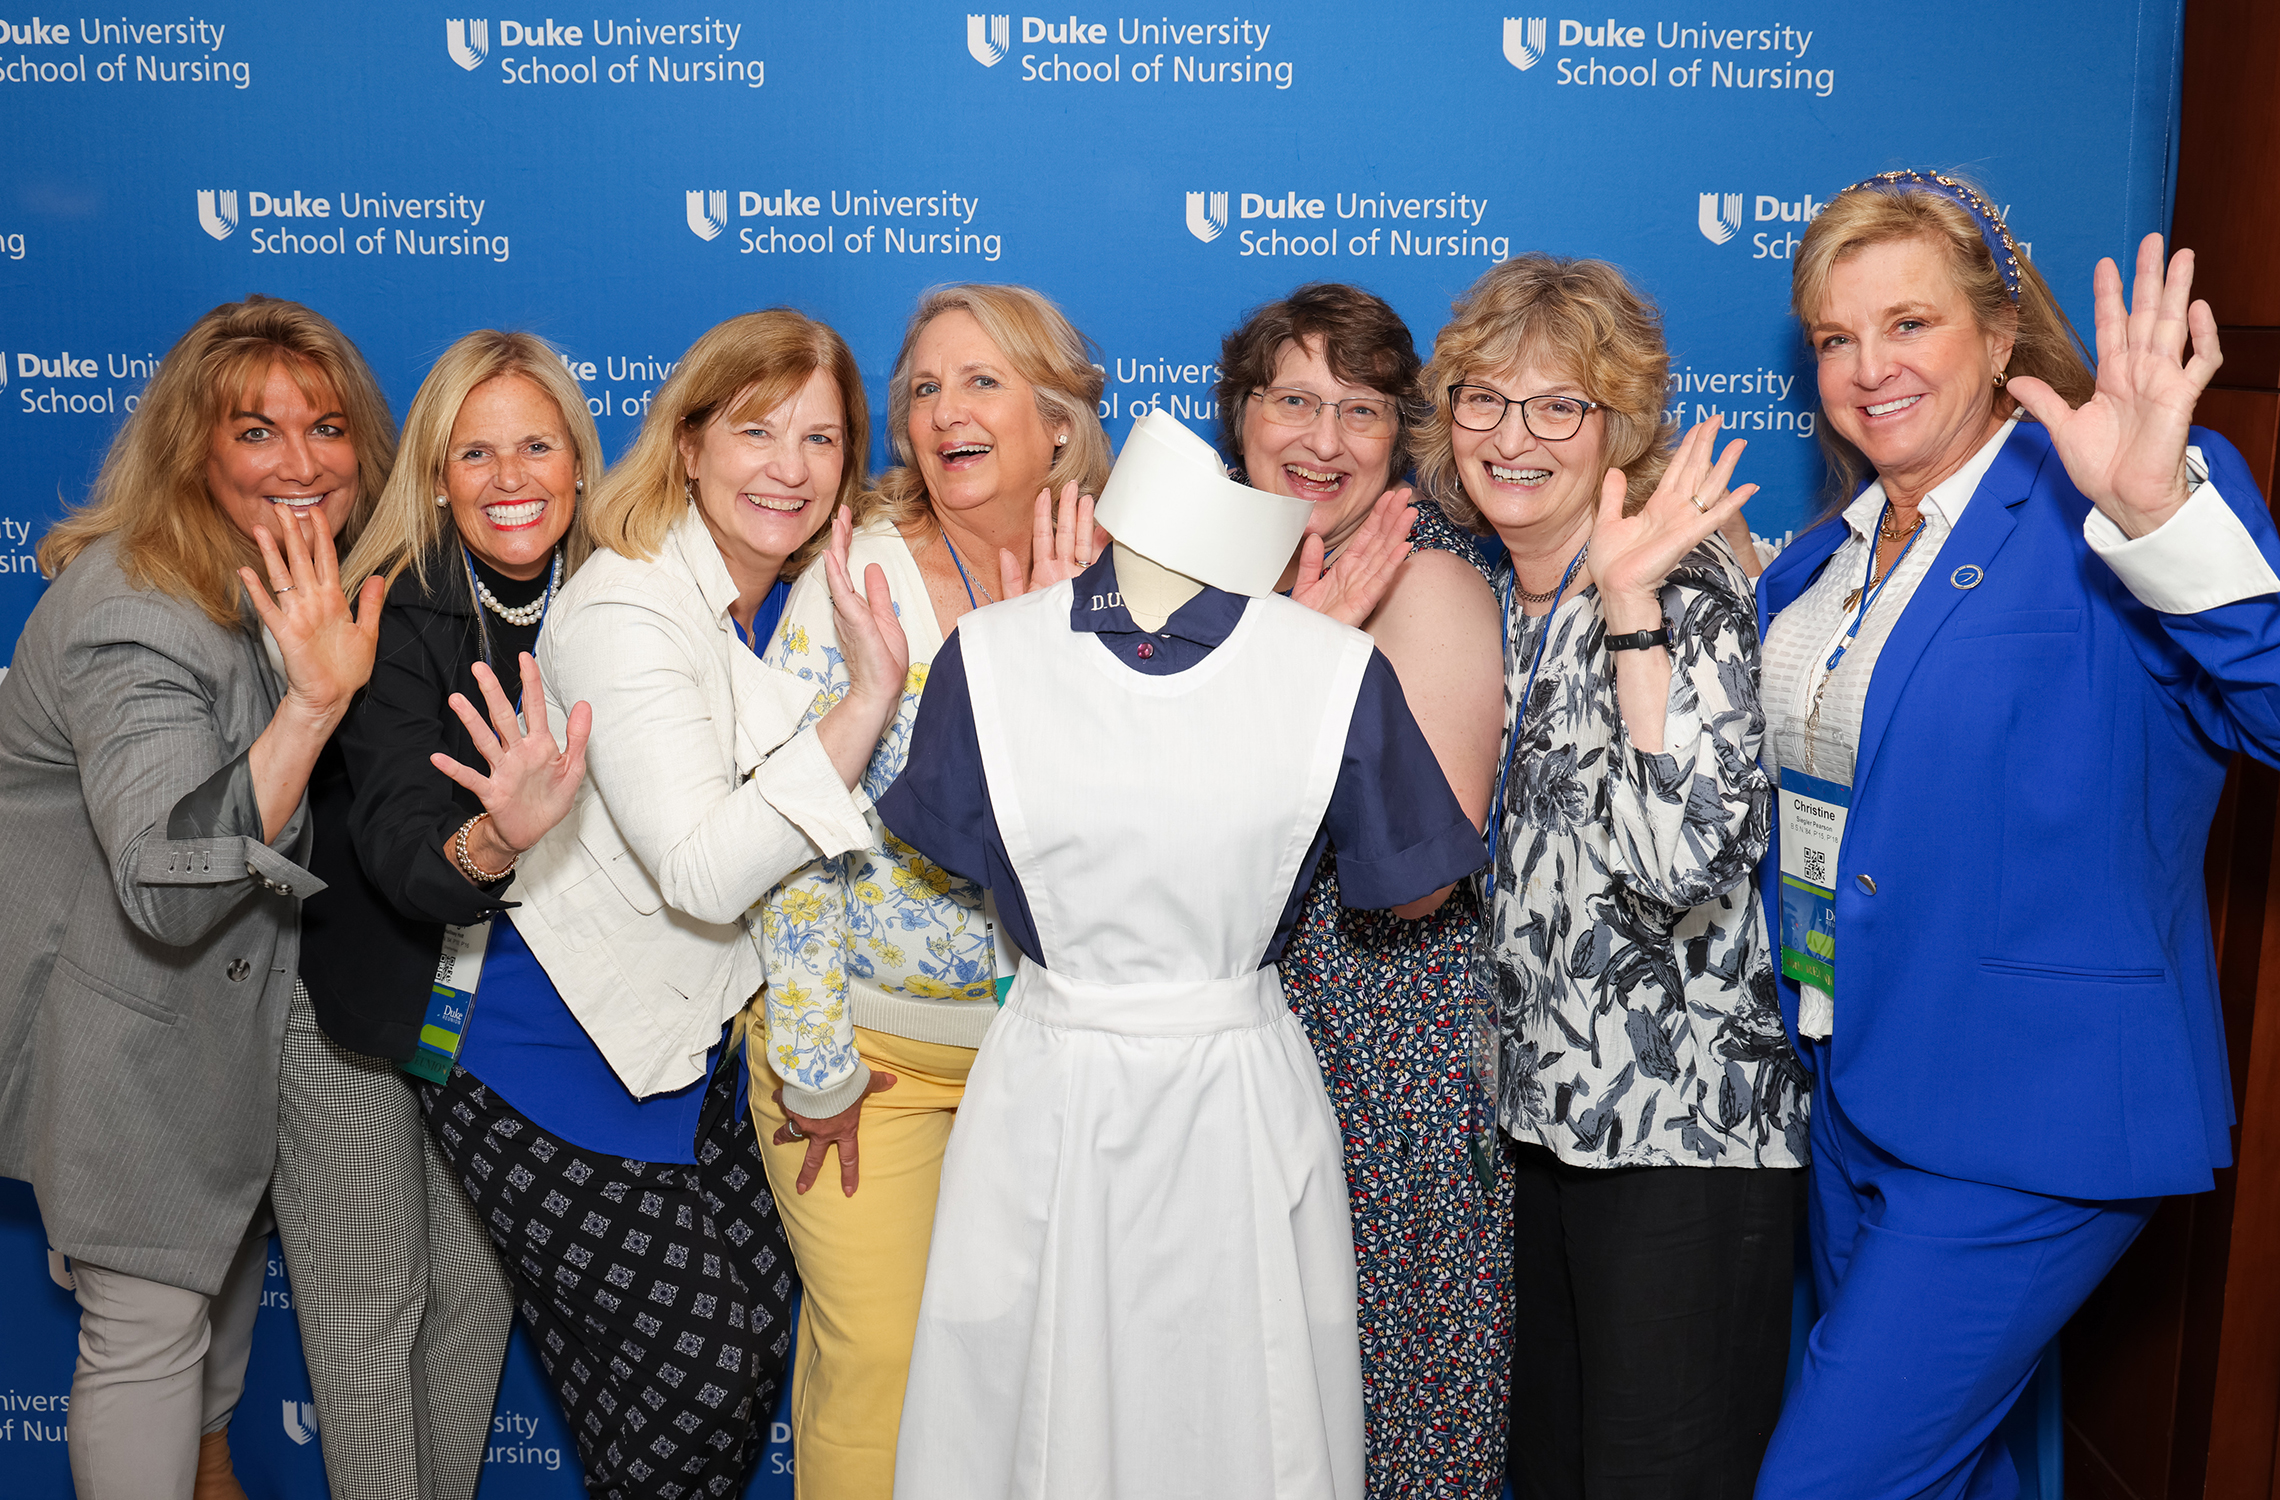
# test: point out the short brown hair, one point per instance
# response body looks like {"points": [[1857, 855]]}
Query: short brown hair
{"points": [[1044, 348], [2044, 341], [749, 365], [152, 491], [408, 529], [1363, 340], [1582, 317]]}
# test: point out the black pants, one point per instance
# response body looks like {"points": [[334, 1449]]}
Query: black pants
{"points": [[658, 1294], [1651, 1334]]}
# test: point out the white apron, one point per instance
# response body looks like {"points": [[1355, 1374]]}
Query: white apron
{"points": [[1141, 1282]]}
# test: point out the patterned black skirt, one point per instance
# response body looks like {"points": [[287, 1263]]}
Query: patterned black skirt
{"points": [[658, 1293]]}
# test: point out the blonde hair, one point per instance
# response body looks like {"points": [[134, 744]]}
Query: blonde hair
{"points": [[151, 492], [2044, 341], [1580, 317], [408, 529], [1043, 348], [745, 367]]}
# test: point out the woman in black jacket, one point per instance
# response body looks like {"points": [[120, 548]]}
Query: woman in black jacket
{"points": [[404, 1308]]}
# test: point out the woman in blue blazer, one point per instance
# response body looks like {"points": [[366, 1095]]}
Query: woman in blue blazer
{"points": [[2001, 686]]}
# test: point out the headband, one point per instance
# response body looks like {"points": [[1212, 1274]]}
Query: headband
{"points": [[1992, 229]]}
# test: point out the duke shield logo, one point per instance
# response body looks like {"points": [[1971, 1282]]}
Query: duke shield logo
{"points": [[1524, 38], [989, 38], [1718, 216], [708, 212], [468, 42], [1207, 215], [217, 212], [300, 1422]]}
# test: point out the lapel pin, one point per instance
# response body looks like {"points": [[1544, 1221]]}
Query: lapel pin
{"points": [[1967, 576]]}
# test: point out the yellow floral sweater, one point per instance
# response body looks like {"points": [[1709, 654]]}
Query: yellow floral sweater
{"points": [[877, 937]]}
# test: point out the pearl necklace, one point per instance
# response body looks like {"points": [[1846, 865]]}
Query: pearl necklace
{"points": [[521, 614]]}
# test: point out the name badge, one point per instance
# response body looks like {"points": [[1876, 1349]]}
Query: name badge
{"points": [[451, 1000], [1007, 956], [1813, 815]]}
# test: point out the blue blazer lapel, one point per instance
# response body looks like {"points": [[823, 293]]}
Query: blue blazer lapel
{"points": [[1987, 524]]}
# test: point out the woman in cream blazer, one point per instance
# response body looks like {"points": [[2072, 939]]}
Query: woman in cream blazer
{"points": [[595, 1115]]}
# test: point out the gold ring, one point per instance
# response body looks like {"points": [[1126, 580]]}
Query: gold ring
{"points": [[1698, 505]]}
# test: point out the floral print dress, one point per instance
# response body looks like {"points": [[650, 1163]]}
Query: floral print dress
{"points": [[1638, 1020], [1383, 1001]]}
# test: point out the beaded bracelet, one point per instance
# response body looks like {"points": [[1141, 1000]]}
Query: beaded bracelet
{"points": [[466, 861]]}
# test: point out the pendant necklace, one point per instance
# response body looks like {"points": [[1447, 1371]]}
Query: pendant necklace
{"points": [[1885, 532]]}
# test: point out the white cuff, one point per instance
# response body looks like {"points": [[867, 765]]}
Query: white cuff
{"points": [[799, 781], [823, 1103], [2199, 558], [1816, 1012]]}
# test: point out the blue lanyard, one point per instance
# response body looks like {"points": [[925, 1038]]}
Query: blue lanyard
{"points": [[1868, 596], [1520, 712], [971, 601]]}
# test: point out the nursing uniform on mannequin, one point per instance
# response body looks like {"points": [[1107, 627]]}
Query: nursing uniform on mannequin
{"points": [[1141, 1280]]}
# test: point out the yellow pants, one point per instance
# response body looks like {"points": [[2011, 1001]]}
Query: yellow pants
{"points": [[862, 1261]]}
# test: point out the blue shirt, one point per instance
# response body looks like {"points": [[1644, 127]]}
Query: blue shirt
{"points": [[764, 623], [1399, 831], [527, 1047]]}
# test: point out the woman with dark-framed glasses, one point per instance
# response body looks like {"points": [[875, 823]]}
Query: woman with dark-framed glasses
{"points": [[1318, 397], [1655, 1110]]}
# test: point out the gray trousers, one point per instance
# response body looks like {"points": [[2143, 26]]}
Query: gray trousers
{"points": [[158, 1367], [404, 1307]]}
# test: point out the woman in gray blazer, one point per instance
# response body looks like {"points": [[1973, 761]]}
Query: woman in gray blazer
{"points": [[157, 729]]}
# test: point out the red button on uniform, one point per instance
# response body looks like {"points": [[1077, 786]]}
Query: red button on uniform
{"points": [[1147, 649]]}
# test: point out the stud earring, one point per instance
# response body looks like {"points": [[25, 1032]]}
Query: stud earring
{"points": [[443, 502], [581, 486], [2001, 379], [1062, 441]]}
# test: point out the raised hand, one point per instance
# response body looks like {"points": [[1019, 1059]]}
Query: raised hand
{"points": [[1057, 549], [870, 635], [1349, 590], [532, 781], [1632, 555], [327, 650], [877, 654], [2125, 446]]}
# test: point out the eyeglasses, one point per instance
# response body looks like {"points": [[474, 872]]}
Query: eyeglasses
{"points": [[1550, 418], [1363, 416]]}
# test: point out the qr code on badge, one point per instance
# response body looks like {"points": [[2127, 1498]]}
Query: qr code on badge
{"points": [[1817, 866]]}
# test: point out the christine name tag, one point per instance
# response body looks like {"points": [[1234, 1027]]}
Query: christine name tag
{"points": [[1812, 827], [451, 1000]]}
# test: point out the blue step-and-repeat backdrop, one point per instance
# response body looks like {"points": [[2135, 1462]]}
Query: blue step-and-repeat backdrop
{"points": [[619, 179]]}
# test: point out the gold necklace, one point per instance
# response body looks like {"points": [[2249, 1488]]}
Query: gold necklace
{"points": [[1888, 535], [1885, 530]]}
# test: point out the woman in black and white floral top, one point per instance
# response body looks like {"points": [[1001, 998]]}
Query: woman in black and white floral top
{"points": [[1655, 1108]]}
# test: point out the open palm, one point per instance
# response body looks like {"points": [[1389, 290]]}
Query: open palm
{"points": [[2125, 446]]}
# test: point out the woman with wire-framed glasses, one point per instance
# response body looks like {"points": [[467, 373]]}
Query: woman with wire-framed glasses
{"points": [[1654, 1108], [1318, 397]]}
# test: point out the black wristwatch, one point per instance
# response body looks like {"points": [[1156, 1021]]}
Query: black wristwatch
{"points": [[1639, 640]]}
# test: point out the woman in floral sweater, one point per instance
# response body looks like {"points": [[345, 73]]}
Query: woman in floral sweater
{"points": [[882, 974]]}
